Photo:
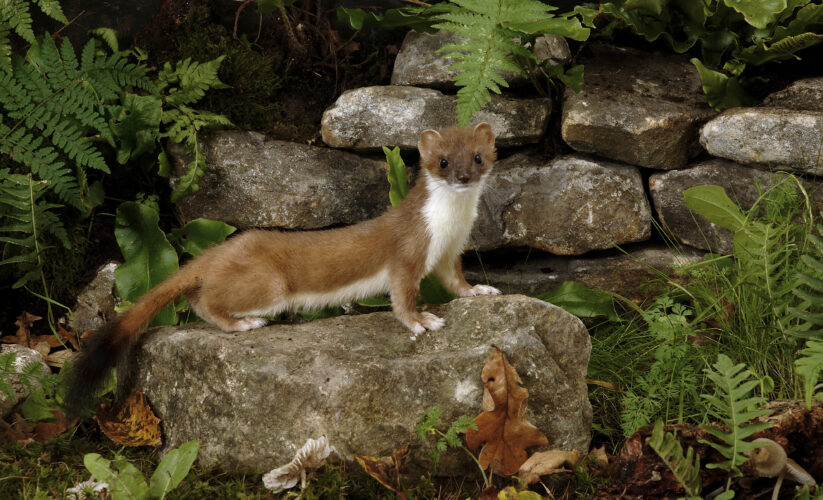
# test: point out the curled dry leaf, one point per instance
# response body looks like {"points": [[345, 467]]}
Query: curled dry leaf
{"points": [[132, 423], [546, 462], [312, 455], [502, 428], [386, 470], [44, 431]]}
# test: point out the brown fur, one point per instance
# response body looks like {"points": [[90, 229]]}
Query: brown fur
{"points": [[259, 269]]}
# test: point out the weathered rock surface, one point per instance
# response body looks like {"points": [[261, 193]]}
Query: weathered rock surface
{"points": [[626, 274], [95, 304], [418, 63], [804, 95], [740, 183], [568, 206], [371, 117], [769, 138], [23, 357], [636, 107], [254, 182], [253, 398]]}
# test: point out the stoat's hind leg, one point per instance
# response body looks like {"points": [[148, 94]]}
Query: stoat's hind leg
{"points": [[220, 318]]}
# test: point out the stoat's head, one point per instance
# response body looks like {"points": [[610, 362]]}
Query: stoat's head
{"points": [[460, 156]]}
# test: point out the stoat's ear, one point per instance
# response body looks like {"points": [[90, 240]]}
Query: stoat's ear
{"points": [[429, 139], [483, 132]]}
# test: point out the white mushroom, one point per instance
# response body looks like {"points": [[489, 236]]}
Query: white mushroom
{"points": [[771, 461], [311, 456]]}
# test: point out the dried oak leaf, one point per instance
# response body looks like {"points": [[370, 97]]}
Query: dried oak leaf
{"points": [[23, 337], [546, 462], [132, 424], [386, 470], [503, 426], [44, 431]]}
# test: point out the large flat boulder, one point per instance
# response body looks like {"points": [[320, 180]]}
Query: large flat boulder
{"points": [[636, 107], [567, 206], [768, 138], [369, 118], [253, 398], [255, 182]]}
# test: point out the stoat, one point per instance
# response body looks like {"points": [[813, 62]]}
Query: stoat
{"points": [[259, 273]]}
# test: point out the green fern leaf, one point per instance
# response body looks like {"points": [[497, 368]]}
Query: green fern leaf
{"points": [[686, 470], [23, 212], [5, 48], [732, 405], [16, 14], [810, 310], [189, 80], [809, 365]]}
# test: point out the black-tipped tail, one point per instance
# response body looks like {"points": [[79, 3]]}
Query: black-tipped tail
{"points": [[91, 369]]}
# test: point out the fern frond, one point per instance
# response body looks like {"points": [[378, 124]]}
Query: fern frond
{"points": [[810, 311], [5, 48], [16, 14], [809, 365], [185, 83], [189, 80], [686, 470], [732, 405], [22, 212], [52, 9]]}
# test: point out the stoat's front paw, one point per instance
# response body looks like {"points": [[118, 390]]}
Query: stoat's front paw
{"points": [[431, 322], [426, 321], [480, 290]]}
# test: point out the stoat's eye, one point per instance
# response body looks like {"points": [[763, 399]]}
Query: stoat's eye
{"points": [[444, 163], [478, 159]]}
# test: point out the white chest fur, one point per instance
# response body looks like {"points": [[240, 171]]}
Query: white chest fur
{"points": [[449, 214]]}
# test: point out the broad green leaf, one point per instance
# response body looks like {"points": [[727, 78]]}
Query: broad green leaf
{"points": [[172, 469], [390, 19], [758, 13], [651, 6], [38, 408], [375, 301], [780, 50], [432, 292], [200, 234], [125, 484], [567, 27], [573, 78], [398, 176], [581, 300], [721, 91], [712, 203], [149, 257], [329, 312], [130, 483]]}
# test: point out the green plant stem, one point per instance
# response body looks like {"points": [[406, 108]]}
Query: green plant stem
{"points": [[486, 482]]}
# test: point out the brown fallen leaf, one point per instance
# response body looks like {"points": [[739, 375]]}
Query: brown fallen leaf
{"points": [[59, 358], [132, 423], [502, 428], [386, 470], [546, 462], [44, 431], [24, 323]]}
